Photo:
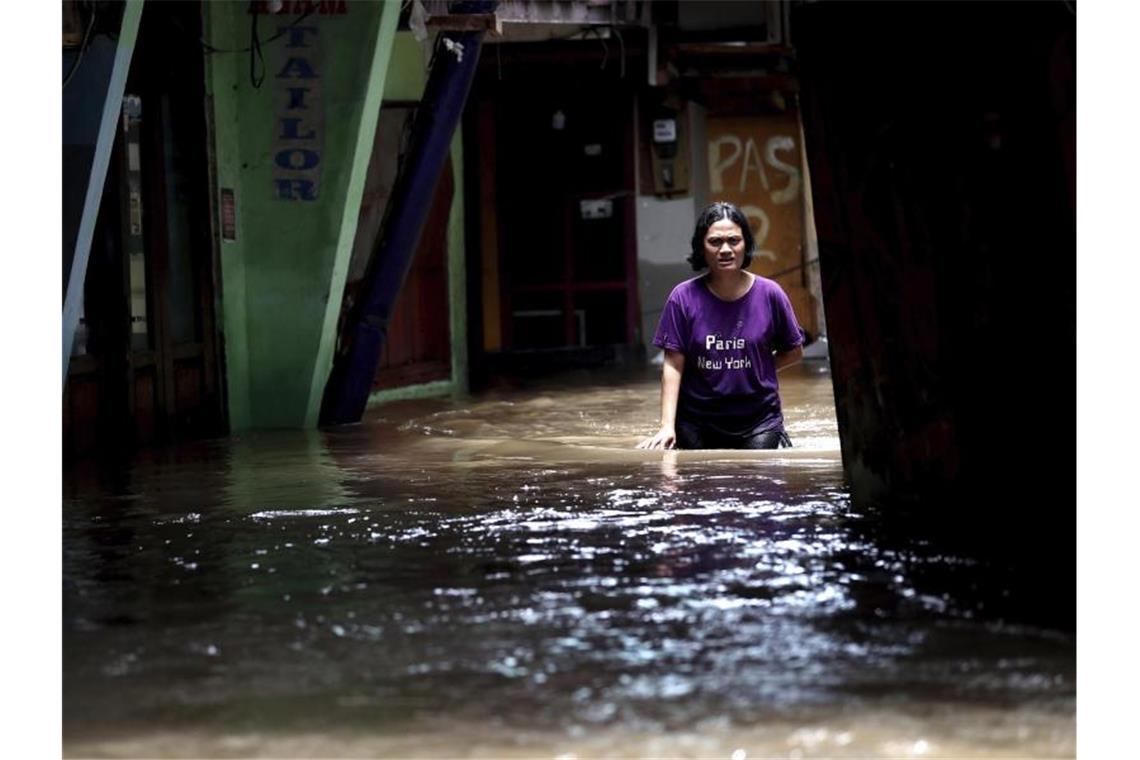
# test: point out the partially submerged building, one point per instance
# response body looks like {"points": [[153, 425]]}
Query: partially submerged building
{"points": [[276, 211], [249, 166]]}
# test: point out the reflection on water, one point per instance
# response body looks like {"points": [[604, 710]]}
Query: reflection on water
{"points": [[509, 577]]}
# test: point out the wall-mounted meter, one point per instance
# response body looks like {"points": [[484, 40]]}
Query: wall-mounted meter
{"points": [[665, 131], [669, 154]]}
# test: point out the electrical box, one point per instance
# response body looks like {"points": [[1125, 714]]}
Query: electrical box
{"points": [[596, 209], [669, 152]]}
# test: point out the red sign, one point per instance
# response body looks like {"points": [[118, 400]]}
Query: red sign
{"points": [[306, 7], [229, 215]]}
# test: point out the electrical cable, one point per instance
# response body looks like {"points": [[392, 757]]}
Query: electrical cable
{"points": [[796, 268], [582, 34], [212, 49], [255, 55], [83, 45]]}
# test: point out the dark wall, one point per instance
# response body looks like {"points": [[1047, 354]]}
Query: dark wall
{"points": [[87, 74], [941, 144]]}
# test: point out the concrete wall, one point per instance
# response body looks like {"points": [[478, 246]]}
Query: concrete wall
{"points": [[664, 228], [282, 277], [407, 68], [946, 216]]}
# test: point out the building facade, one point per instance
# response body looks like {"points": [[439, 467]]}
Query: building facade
{"points": [[252, 155]]}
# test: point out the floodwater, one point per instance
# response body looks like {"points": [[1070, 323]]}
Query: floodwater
{"points": [[507, 577]]}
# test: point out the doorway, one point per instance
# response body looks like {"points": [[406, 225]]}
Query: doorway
{"points": [[145, 364], [557, 181]]}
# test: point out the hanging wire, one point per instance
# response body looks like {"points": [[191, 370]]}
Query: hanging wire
{"points": [[83, 45], [281, 33], [796, 268], [580, 34], [255, 56]]}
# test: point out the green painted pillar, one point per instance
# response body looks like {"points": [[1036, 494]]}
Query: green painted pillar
{"points": [[457, 272], [292, 141]]}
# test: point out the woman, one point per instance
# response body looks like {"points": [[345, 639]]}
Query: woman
{"points": [[725, 335]]}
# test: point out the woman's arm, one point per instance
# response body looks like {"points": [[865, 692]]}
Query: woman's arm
{"points": [[788, 358], [666, 437]]}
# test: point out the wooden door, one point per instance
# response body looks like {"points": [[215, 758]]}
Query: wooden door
{"points": [[418, 346]]}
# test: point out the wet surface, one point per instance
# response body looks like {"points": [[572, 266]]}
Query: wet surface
{"points": [[507, 576]]}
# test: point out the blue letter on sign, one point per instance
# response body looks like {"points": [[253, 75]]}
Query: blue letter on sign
{"points": [[297, 97], [290, 130], [309, 159], [297, 35], [295, 190], [300, 66]]}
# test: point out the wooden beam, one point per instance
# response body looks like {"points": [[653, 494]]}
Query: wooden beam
{"points": [[467, 22], [751, 49]]}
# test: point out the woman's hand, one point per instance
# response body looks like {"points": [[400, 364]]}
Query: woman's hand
{"points": [[671, 370], [665, 438]]}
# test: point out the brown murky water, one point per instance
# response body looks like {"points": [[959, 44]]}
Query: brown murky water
{"points": [[508, 577]]}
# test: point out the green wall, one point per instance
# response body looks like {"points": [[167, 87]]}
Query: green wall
{"points": [[283, 276], [407, 73]]}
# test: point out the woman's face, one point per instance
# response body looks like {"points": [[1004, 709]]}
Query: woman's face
{"points": [[724, 246]]}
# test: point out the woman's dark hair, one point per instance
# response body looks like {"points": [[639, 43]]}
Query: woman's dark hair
{"points": [[712, 214]]}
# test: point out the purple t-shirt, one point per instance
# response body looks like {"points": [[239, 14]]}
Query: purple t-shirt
{"points": [[730, 374]]}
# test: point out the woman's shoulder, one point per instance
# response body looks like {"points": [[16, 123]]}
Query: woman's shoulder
{"points": [[688, 289], [766, 287], [760, 282]]}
